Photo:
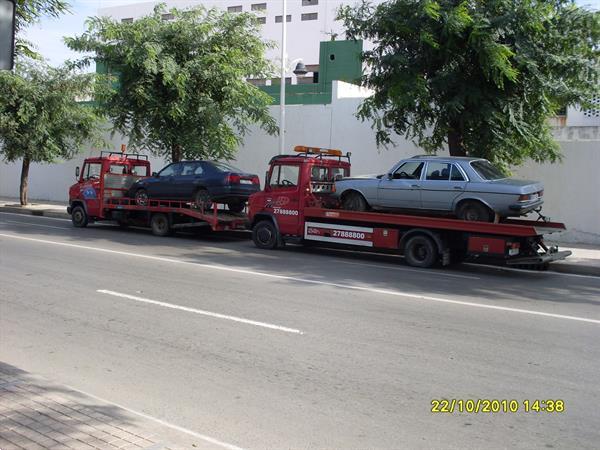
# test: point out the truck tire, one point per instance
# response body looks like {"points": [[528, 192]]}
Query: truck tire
{"points": [[160, 224], [265, 235], [354, 202], [474, 211], [421, 251], [79, 217]]}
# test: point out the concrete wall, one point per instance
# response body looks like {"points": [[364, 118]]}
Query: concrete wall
{"points": [[572, 187]]}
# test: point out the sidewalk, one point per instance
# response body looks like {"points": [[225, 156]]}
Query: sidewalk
{"points": [[585, 259], [38, 414], [35, 208]]}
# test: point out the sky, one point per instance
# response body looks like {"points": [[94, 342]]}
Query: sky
{"points": [[47, 36]]}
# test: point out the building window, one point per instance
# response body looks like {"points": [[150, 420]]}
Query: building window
{"points": [[127, 20], [234, 9], [259, 7], [261, 20], [288, 18], [310, 2], [167, 16], [310, 16]]}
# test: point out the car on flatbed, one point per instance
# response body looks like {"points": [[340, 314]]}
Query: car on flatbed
{"points": [[201, 182], [470, 188]]}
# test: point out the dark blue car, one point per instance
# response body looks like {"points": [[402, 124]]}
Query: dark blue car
{"points": [[201, 182]]}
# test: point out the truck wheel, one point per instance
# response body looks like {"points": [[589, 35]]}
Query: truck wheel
{"points": [[265, 235], [420, 251], [141, 197], [354, 202], [474, 211], [79, 217], [160, 225], [236, 207]]}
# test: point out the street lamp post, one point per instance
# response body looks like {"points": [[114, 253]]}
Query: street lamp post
{"points": [[282, 87]]}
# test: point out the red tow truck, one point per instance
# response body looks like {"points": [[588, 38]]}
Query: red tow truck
{"points": [[100, 194], [297, 206]]}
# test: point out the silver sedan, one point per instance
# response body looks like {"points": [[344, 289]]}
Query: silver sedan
{"points": [[470, 188]]}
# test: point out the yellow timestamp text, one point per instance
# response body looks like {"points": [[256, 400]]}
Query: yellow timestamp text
{"points": [[491, 406]]}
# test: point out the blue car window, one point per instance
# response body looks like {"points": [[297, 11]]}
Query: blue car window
{"points": [[189, 169], [173, 169]]}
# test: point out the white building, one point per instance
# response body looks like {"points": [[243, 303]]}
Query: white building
{"points": [[308, 22]]}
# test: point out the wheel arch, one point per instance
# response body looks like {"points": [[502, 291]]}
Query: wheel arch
{"points": [[79, 202], [463, 200], [352, 190], [265, 216], [439, 242]]}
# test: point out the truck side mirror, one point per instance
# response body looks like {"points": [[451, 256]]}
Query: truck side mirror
{"points": [[77, 172]]}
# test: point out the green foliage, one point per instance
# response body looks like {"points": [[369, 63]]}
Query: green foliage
{"points": [[483, 76], [181, 89], [29, 12], [40, 116]]}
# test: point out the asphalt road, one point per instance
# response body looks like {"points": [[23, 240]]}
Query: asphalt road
{"points": [[299, 348]]}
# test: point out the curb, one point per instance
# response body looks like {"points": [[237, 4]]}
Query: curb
{"points": [[35, 212]]}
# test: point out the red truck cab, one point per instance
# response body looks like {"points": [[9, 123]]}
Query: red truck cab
{"points": [[106, 176], [292, 183]]}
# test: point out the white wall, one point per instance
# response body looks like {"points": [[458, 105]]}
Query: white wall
{"points": [[572, 187]]}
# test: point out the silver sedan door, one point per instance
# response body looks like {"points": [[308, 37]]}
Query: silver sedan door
{"points": [[442, 183], [401, 189]]}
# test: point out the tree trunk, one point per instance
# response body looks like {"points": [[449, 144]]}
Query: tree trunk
{"points": [[24, 181], [176, 153], [455, 143]]}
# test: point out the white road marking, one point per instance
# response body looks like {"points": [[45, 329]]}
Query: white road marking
{"points": [[308, 281], [405, 269], [161, 422], [34, 224], [200, 311], [37, 217]]}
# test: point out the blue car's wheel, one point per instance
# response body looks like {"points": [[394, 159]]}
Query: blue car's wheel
{"points": [[141, 197], [202, 199]]}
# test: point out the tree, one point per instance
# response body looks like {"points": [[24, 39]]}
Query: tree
{"points": [[181, 89], [29, 12], [41, 119], [480, 76]]}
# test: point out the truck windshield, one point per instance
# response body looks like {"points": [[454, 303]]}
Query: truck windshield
{"points": [[487, 170]]}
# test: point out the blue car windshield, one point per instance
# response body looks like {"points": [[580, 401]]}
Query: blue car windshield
{"points": [[224, 167], [487, 170]]}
